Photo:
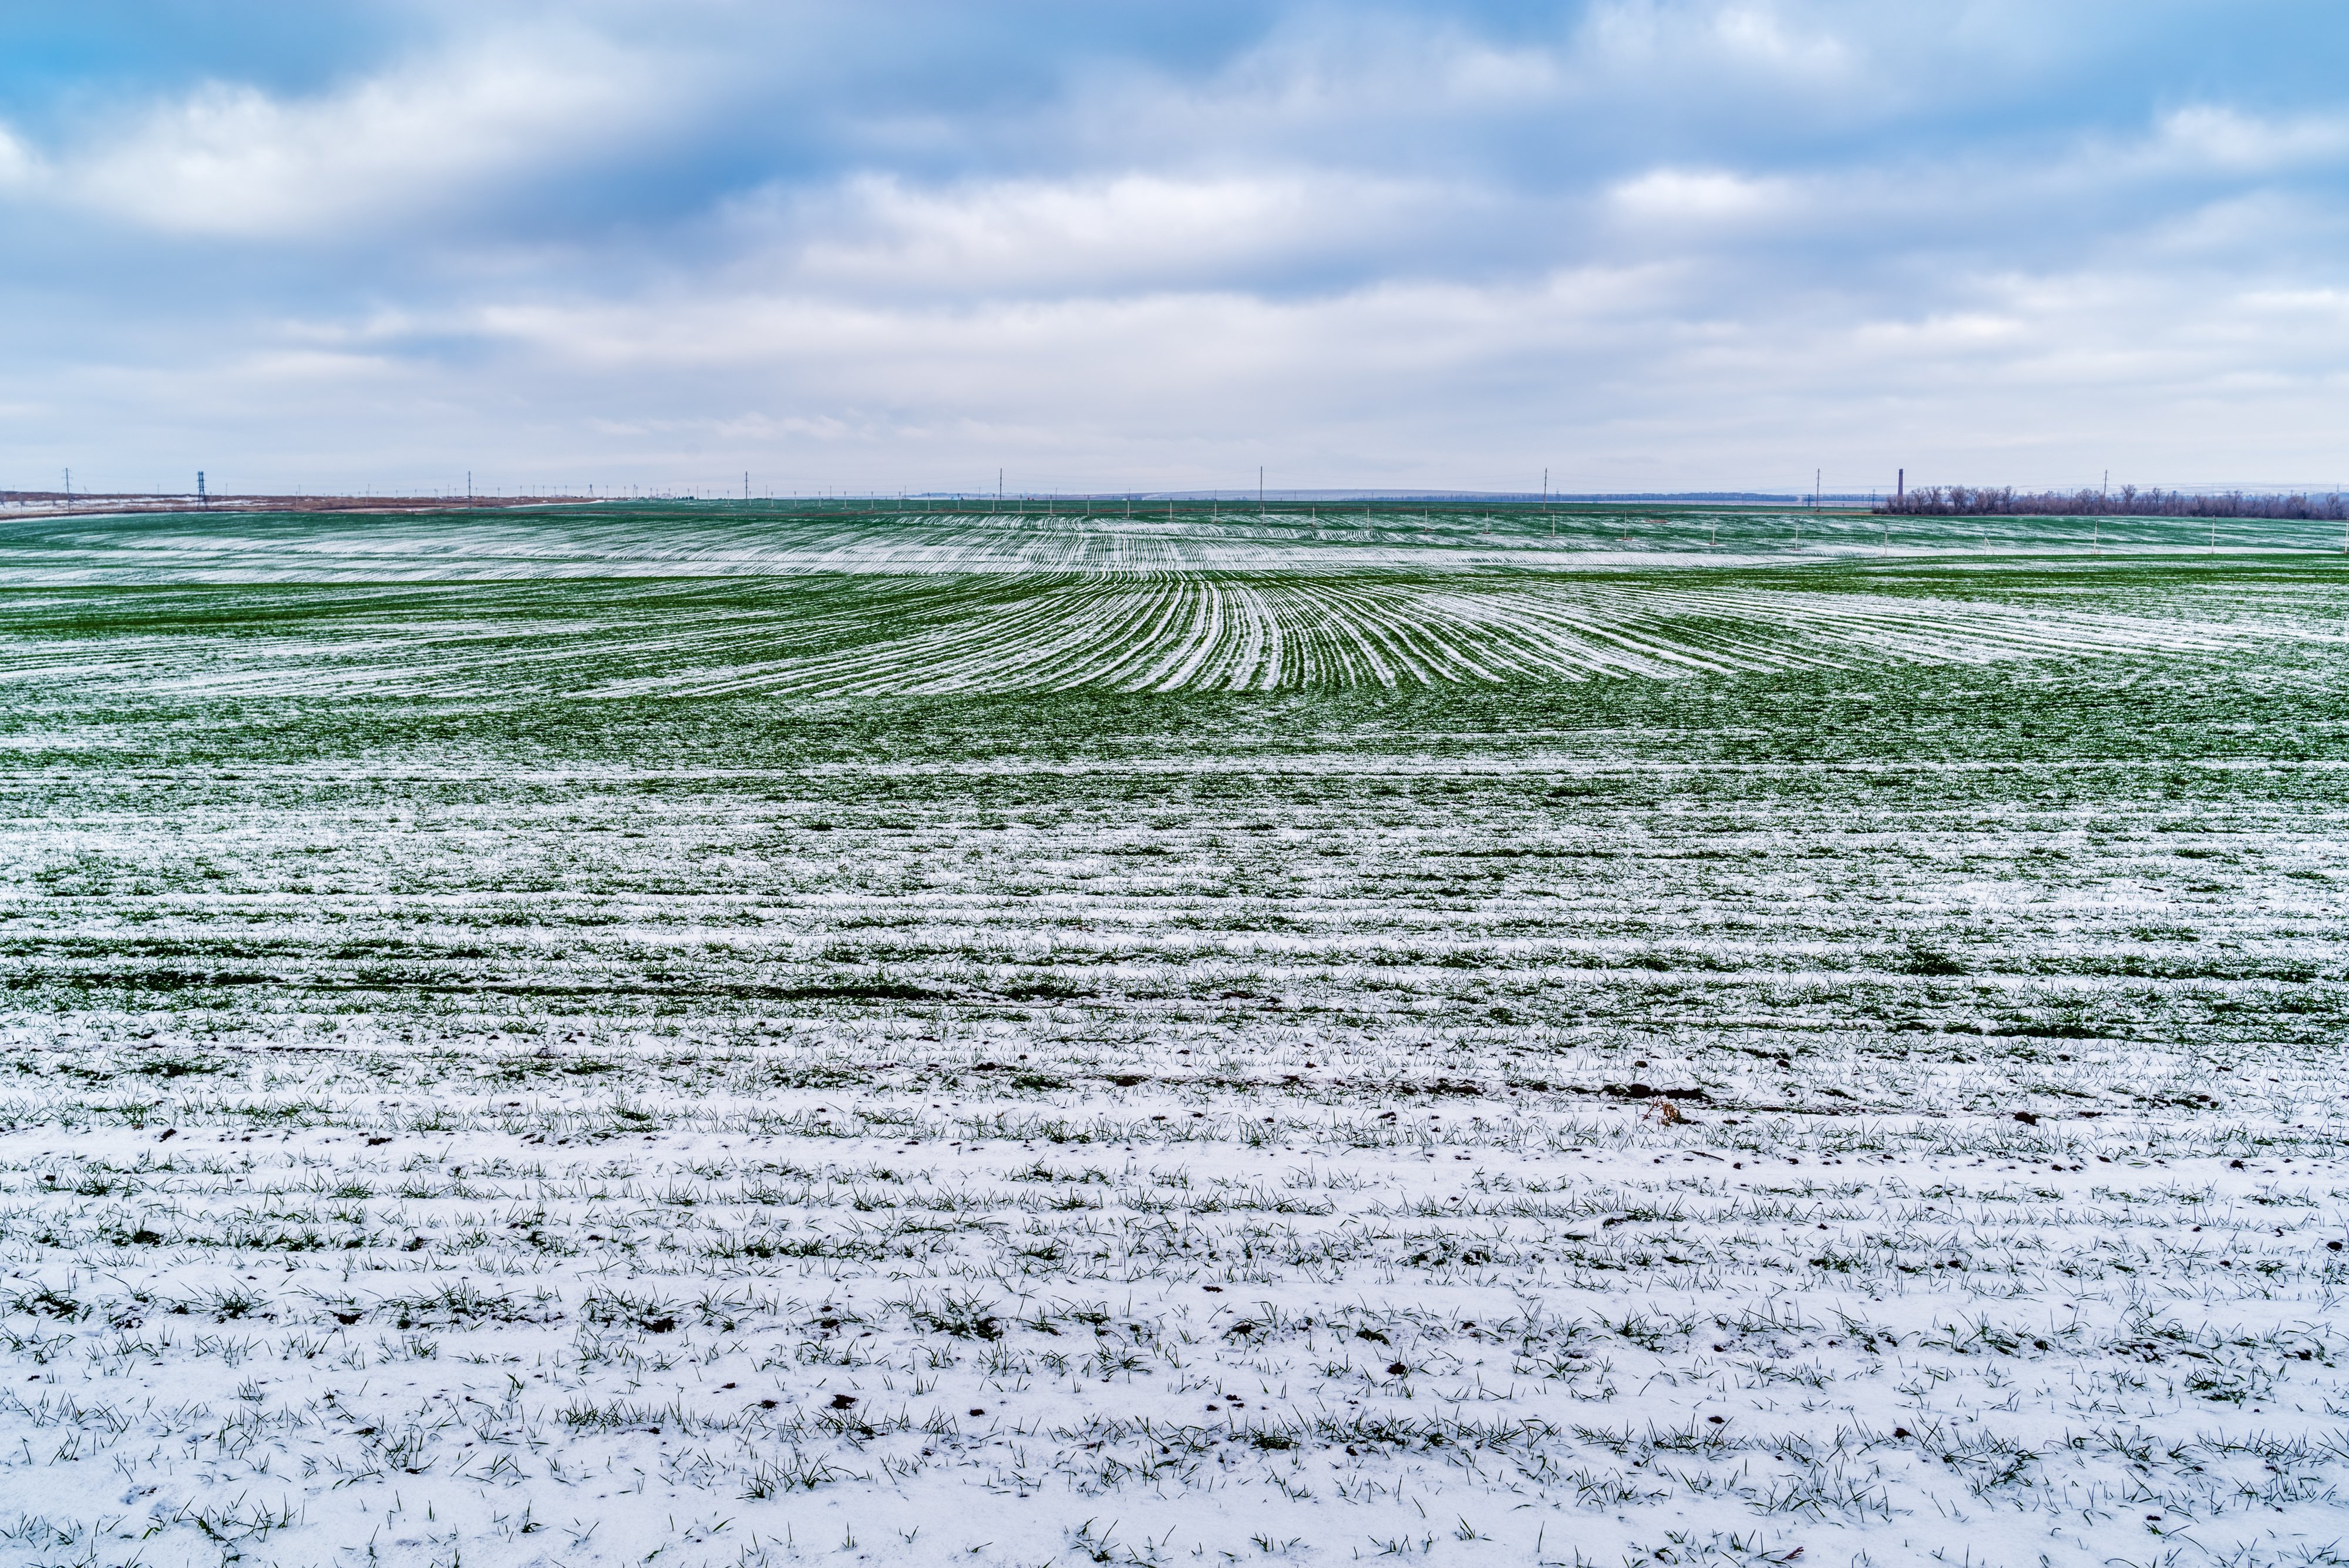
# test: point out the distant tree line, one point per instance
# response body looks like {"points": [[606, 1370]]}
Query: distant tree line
{"points": [[2128, 501]]}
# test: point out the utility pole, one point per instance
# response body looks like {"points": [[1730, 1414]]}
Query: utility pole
{"points": [[1260, 490], [1815, 487]]}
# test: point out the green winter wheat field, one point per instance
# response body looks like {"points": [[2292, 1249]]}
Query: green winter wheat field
{"points": [[752, 1035]]}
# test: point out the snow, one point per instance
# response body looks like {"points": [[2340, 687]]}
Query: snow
{"points": [[1255, 1059]]}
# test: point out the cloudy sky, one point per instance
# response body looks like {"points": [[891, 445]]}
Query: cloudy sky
{"points": [[1644, 245]]}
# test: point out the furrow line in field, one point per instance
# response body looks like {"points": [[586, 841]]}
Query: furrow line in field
{"points": [[1144, 630]]}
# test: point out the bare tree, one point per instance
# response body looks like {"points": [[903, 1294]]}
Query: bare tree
{"points": [[2005, 501]]}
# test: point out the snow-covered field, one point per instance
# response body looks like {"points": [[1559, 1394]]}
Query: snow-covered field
{"points": [[705, 1037]]}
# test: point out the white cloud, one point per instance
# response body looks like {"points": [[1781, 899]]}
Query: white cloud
{"points": [[1701, 195], [1670, 242], [1939, 334], [1673, 372], [1757, 34], [1755, 42], [2215, 137], [1131, 231], [1212, 342], [18, 167], [1666, 374], [422, 138], [2328, 303]]}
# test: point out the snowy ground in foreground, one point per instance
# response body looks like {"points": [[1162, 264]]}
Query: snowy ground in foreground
{"points": [[1478, 1334], [559, 1100]]}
